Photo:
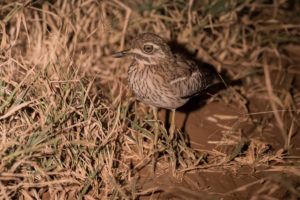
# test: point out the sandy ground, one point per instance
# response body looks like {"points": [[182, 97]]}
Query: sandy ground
{"points": [[205, 128]]}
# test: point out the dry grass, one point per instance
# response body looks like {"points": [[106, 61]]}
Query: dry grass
{"points": [[70, 127]]}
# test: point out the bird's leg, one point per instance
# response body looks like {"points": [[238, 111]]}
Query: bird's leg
{"points": [[156, 130], [172, 125]]}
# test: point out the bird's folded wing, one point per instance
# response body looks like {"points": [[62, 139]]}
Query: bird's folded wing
{"points": [[189, 80]]}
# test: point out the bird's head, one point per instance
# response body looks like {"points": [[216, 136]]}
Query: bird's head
{"points": [[148, 49]]}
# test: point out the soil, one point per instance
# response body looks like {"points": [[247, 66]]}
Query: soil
{"points": [[205, 128]]}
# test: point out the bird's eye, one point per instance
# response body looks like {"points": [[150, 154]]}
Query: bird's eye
{"points": [[148, 48]]}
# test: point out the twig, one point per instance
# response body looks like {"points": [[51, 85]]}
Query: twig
{"points": [[243, 187], [128, 13], [273, 105], [190, 14]]}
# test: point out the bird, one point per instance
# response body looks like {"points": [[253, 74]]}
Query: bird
{"points": [[161, 78]]}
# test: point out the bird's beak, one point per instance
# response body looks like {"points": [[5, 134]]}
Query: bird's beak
{"points": [[122, 53]]}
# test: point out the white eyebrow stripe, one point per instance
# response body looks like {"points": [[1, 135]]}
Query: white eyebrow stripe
{"points": [[183, 78]]}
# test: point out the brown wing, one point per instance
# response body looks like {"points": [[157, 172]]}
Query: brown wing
{"points": [[189, 79]]}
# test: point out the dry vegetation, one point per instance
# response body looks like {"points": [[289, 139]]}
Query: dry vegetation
{"points": [[71, 129]]}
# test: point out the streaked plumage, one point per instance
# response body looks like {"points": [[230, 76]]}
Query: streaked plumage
{"points": [[160, 78]]}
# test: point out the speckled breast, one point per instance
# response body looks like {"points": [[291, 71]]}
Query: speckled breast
{"points": [[151, 88]]}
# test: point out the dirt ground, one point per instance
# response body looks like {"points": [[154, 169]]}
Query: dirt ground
{"points": [[205, 128]]}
